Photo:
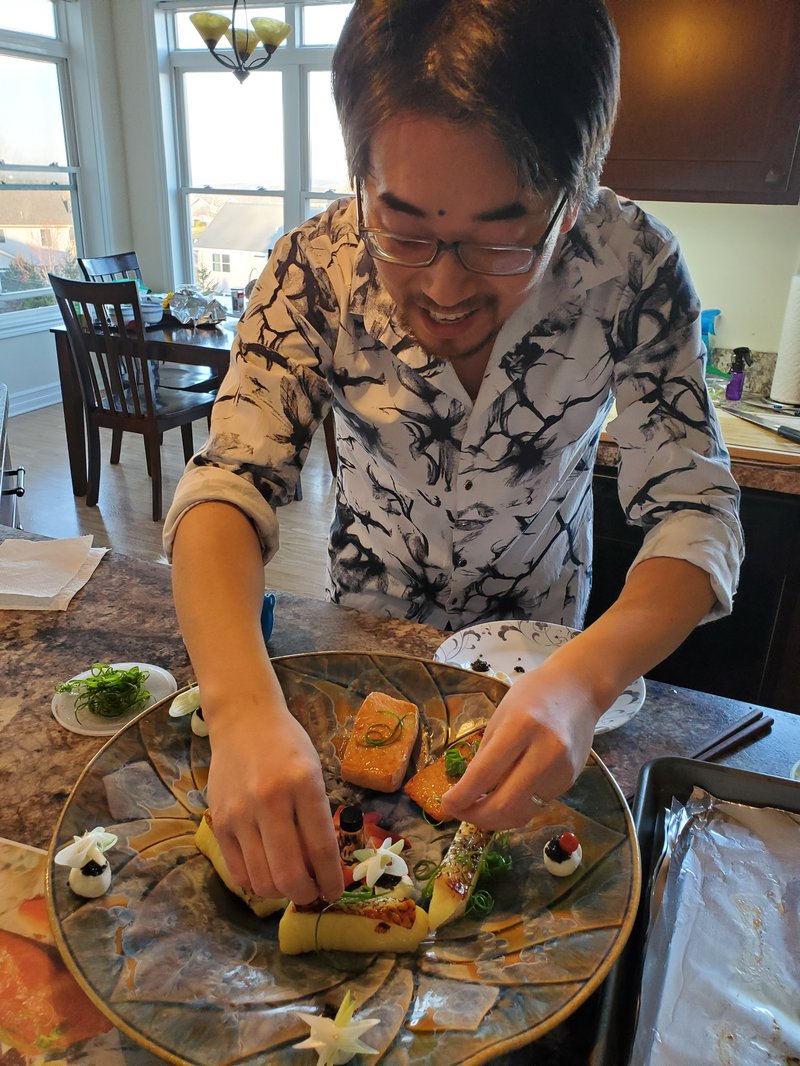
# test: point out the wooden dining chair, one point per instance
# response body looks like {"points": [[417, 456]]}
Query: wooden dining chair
{"points": [[126, 265], [117, 379]]}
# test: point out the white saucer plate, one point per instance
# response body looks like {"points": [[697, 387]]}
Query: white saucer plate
{"points": [[160, 683], [517, 646]]}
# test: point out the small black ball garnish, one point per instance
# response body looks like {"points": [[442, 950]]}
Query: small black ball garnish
{"points": [[351, 819], [480, 666], [519, 669], [554, 851], [93, 869]]}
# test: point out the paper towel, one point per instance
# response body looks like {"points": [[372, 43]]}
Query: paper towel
{"points": [[786, 381]]}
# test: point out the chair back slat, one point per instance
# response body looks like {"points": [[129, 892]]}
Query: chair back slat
{"points": [[111, 267], [110, 357]]}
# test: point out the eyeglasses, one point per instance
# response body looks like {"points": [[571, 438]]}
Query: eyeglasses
{"points": [[501, 260]]}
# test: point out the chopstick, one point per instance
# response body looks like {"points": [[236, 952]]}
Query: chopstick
{"points": [[747, 729]]}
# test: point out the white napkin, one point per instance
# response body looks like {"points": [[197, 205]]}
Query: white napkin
{"points": [[44, 575]]}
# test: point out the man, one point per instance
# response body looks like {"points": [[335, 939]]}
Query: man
{"points": [[470, 316]]}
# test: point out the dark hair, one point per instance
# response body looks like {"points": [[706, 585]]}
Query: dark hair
{"points": [[542, 75]]}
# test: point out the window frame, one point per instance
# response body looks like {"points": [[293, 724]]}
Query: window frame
{"points": [[55, 50], [294, 60]]}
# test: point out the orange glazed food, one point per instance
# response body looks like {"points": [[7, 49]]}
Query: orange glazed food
{"points": [[380, 745], [429, 785]]}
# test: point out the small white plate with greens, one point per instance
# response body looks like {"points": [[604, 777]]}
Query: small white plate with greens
{"points": [[106, 697]]}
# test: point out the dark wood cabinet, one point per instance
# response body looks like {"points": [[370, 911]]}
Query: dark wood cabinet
{"points": [[710, 101], [754, 654]]}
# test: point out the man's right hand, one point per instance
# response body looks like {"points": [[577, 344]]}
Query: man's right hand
{"points": [[267, 800]]}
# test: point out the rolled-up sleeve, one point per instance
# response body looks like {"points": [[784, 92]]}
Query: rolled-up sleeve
{"points": [[674, 475]]}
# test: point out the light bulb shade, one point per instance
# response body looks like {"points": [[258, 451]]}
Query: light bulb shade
{"points": [[271, 32], [246, 42], [210, 26]]}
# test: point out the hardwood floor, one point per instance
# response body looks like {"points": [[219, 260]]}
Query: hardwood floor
{"points": [[122, 518]]}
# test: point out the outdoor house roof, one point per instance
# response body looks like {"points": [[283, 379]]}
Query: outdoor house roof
{"points": [[243, 226]]}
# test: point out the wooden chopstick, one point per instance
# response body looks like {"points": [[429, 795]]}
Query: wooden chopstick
{"points": [[758, 729], [729, 731], [748, 728]]}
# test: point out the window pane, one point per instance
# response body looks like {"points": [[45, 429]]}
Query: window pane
{"points": [[328, 164], [33, 134], [232, 237], [37, 238], [34, 16], [235, 132], [322, 25], [188, 37]]}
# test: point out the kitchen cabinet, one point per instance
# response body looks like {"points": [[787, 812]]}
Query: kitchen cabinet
{"points": [[710, 101], [11, 483], [754, 654]]}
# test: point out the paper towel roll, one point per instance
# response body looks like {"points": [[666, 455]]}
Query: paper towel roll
{"points": [[786, 382]]}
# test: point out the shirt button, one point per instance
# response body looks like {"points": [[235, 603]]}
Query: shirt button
{"points": [[467, 486]]}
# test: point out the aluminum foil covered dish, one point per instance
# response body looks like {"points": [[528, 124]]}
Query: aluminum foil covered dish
{"points": [[189, 307]]}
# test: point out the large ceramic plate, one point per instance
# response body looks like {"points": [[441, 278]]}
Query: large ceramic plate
{"points": [[518, 646], [185, 968]]}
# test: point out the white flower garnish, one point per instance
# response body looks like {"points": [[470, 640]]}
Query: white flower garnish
{"points": [[373, 862], [186, 703], [88, 848], [337, 1040]]}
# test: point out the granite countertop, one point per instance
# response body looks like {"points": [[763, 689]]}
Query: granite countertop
{"points": [[125, 612]]}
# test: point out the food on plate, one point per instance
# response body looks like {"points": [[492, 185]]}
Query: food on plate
{"points": [[379, 747], [373, 924], [428, 786], [42, 1010], [455, 880], [188, 702], [337, 1040], [482, 666], [90, 871], [108, 692], [562, 854], [382, 868], [207, 843]]}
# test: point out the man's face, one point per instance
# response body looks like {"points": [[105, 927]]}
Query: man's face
{"points": [[431, 178]]}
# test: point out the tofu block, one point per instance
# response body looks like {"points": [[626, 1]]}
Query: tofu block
{"points": [[379, 747], [207, 843], [428, 785], [376, 925]]}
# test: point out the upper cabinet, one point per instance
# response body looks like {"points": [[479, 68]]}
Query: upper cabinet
{"points": [[710, 101]]}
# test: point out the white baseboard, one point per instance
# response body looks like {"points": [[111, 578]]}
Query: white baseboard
{"points": [[19, 403]]}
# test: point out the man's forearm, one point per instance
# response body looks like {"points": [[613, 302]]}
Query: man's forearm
{"points": [[218, 586], [662, 602]]}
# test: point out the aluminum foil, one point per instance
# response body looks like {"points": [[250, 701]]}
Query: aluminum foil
{"points": [[190, 308], [721, 977]]}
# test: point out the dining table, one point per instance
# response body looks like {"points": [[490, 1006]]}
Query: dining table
{"points": [[125, 613], [168, 341]]}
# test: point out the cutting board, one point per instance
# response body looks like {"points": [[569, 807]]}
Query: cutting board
{"points": [[749, 442]]}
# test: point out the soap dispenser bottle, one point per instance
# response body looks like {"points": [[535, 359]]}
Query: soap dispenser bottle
{"points": [[741, 358]]}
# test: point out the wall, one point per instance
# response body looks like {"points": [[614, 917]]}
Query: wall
{"points": [[742, 258]]}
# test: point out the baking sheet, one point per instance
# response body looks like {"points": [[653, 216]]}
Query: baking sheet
{"points": [[721, 979]]}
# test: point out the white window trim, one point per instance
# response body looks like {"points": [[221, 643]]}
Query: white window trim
{"points": [[295, 61]]}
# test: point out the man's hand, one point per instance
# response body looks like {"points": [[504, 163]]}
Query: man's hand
{"points": [[268, 804], [535, 744]]}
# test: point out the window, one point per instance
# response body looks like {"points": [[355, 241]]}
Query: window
{"points": [[38, 194], [275, 157]]}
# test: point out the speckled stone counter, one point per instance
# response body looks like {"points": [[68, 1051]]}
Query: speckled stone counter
{"points": [[125, 613]]}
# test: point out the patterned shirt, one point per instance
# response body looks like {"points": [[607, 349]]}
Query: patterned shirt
{"points": [[453, 512]]}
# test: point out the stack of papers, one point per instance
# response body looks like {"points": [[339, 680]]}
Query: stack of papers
{"points": [[44, 575]]}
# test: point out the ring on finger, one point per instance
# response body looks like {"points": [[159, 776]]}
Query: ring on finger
{"points": [[537, 800]]}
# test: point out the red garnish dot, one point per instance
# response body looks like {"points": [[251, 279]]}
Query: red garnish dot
{"points": [[568, 842]]}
